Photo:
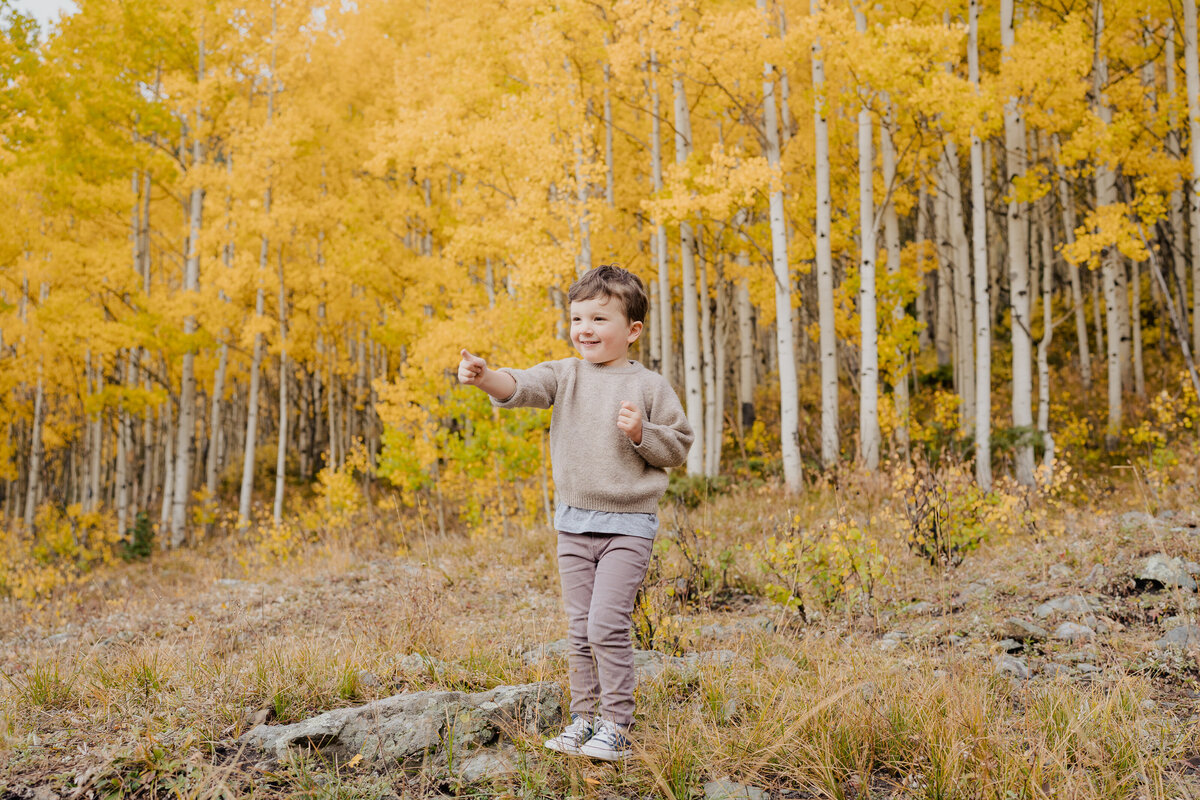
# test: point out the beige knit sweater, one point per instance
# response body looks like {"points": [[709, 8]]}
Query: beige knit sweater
{"points": [[596, 466]]}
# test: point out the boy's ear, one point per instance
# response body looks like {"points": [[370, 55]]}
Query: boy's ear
{"points": [[635, 330]]}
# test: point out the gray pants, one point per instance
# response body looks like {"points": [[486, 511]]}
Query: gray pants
{"points": [[601, 573]]}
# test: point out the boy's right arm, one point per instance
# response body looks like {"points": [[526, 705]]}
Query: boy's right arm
{"points": [[473, 371]]}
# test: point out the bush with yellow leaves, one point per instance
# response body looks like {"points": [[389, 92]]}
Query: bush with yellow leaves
{"points": [[949, 515], [66, 544], [838, 561]]}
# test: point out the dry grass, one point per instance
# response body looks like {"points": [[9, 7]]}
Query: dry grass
{"points": [[157, 668]]}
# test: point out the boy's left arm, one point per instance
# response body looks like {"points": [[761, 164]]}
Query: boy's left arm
{"points": [[666, 434]]}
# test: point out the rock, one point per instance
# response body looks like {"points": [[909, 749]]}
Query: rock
{"points": [[729, 789], [1060, 572], [1022, 631], [1077, 604], [923, 607], [1185, 636], [1073, 631], [741, 627], [1192, 567], [1010, 645], [783, 664], [366, 678], [60, 638], [649, 664], [1137, 519], [891, 640], [487, 764], [405, 729], [1055, 670], [1011, 665], [1097, 576], [1086, 668], [1160, 570], [415, 662], [548, 650]]}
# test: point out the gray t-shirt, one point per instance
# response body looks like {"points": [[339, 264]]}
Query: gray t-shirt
{"points": [[568, 519]]}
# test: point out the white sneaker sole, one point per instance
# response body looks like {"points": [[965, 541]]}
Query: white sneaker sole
{"points": [[550, 744], [605, 755]]}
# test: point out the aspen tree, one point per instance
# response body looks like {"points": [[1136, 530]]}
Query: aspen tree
{"points": [[789, 404], [1106, 195], [694, 402], [983, 330], [1178, 230], [660, 230], [248, 452], [1018, 263], [868, 408], [824, 258], [187, 389], [1192, 80]]}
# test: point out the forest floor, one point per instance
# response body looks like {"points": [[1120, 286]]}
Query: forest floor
{"points": [[1033, 668]]}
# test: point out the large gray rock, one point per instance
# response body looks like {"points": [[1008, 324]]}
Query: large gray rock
{"points": [[1185, 636], [1166, 571], [1073, 631], [1073, 604], [729, 789], [408, 728], [1023, 631], [1011, 665]]}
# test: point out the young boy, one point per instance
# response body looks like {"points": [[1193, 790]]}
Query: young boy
{"points": [[615, 428]]}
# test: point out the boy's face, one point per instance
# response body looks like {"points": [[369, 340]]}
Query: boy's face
{"points": [[600, 330]]}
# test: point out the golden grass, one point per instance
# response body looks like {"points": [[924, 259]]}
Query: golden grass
{"points": [[166, 664]]}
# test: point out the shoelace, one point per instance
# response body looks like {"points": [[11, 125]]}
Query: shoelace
{"points": [[576, 730], [608, 733]]}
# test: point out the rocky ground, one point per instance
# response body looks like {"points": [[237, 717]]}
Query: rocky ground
{"points": [[349, 678]]}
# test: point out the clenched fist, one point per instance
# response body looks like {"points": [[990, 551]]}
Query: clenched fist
{"points": [[471, 369], [629, 420]]}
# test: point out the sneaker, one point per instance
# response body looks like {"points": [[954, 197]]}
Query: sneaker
{"points": [[574, 735], [609, 743]]}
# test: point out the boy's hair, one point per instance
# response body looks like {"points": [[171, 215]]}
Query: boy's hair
{"points": [[612, 281]]}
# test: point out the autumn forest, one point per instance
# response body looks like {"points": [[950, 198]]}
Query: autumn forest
{"points": [[242, 244]]}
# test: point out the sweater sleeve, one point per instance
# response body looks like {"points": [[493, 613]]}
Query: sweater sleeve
{"points": [[666, 434], [536, 387]]}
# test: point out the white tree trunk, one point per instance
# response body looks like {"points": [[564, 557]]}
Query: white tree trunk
{"points": [[709, 372], [789, 401], [187, 388], [943, 335], [979, 247], [824, 257], [1178, 230], [168, 483], [1043, 349], [281, 450], [691, 318], [745, 345], [922, 228], [1018, 266], [123, 448], [1135, 321], [660, 230], [35, 453], [95, 439], [1192, 74], [868, 370], [1106, 195], [964, 323]]}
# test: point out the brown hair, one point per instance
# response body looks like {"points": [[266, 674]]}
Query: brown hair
{"points": [[608, 280]]}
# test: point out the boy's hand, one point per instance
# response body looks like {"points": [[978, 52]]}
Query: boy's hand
{"points": [[471, 369], [629, 420]]}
